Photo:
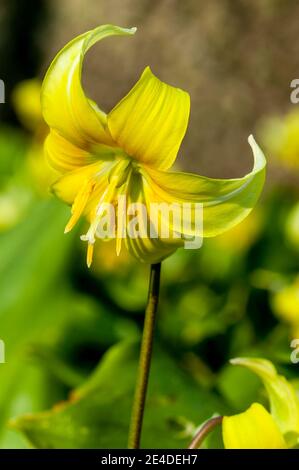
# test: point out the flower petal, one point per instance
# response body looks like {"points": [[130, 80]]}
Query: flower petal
{"points": [[284, 403], [253, 429], [146, 249], [64, 104], [149, 250], [65, 156], [70, 184], [150, 122], [226, 202]]}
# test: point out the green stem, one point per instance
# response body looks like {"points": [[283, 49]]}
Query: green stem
{"points": [[205, 429], [145, 358]]}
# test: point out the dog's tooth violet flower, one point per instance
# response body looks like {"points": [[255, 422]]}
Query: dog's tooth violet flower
{"points": [[129, 152], [256, 428]]}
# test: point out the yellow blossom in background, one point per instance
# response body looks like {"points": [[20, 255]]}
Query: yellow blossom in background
{"points": [[256, 428], [243, 235], [280, 136], [106, 259], [285, 304], [33, 175], [292, 227], [26, 101], [129, 152]]}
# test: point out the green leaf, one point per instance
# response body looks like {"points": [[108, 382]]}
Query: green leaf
{"points": [[98, 413], [38, 308], [239, 397], [13, 146], [27, 274]]}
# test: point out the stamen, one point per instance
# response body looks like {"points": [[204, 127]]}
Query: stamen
{"points": [[121, 214], [89, 257], [118, 245], [116, 178], [106, 198], [79, 204]]}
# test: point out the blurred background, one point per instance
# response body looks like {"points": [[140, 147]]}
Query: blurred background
{"points": [[71, 334]]}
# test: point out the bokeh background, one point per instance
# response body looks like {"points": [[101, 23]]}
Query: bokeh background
{"points": [[71, 334]]}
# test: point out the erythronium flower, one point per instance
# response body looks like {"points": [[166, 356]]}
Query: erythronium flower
{"points": [[256, 428], [253, 429], [130, 151]]}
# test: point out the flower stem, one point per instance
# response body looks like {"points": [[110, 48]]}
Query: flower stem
{"points": [[145, 358], [205, 429]]}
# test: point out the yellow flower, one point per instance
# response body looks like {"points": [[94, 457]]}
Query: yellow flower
{"points": [[253, 429], [256, 428], [292, 227], [129, 151], [285, 304], [243, 235], [26, 101], [280, 137]]}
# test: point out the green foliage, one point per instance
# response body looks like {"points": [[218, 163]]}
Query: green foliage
{"points": [[71, 335], [98, 413]]}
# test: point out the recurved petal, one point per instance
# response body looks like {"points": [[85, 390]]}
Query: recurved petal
{"points": [[149, 123], [253, 429], [284, 403], [65, 106], [226, 202]]}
